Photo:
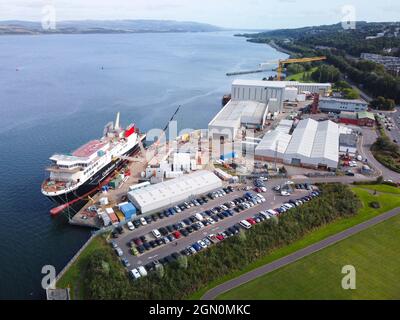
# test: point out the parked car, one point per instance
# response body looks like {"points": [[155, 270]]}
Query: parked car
{"points": [[245, 224], [177, 235], [119, 252], [134, 251], [134, 273], [142, 271], [125, 262], [143, 221], [130, 226]]}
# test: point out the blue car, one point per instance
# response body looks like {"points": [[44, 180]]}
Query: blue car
{"points": [[196, 247]]}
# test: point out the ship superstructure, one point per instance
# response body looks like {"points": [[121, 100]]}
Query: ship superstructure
{"points": [[72, 175]]}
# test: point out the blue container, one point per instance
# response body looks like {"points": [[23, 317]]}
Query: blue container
{"points": [[230, 155], [129, 210]]}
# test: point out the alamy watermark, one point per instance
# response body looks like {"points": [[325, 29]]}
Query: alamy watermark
{"points": [[348, 17], [349, 280], [49, 17], [49, 280]]}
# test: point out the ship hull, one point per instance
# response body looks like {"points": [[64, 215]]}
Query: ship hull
{"points": [[92, 184]]}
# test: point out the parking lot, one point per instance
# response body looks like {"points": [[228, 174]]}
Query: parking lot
{"points": [[184, 239]]}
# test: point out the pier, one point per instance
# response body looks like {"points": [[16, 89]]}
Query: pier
{"points": [[245, 72]]}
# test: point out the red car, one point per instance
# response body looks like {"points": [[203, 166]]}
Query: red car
{"points": [[220, 237], [251, 221], [177, 234]]}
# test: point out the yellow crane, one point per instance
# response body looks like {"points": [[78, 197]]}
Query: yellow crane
{"points": [[281, 63]]}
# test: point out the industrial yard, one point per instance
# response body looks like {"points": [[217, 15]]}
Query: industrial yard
{"points": [[261, 155]]}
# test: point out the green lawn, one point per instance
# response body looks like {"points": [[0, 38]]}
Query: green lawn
{"points": [[75, 274], [299, 76], [382, 188], [375, 254], [388, 201]]}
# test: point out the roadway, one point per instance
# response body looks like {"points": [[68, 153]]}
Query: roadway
{"points": [[369, 136], [265, 269]]}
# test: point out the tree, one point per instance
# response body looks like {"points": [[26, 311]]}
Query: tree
{"points": [[351, 94], [160, 271], [381, 103], [326, 73], [183, 262], [294, 68]]}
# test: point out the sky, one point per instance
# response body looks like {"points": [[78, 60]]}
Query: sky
{"points": [[237, 14]]}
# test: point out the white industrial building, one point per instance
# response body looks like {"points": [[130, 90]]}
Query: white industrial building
{"points": [[250, 114], [165, 194], [263, 91], [273, 145], [314, 144], [253, 100], [339, 105], [284, 126]]}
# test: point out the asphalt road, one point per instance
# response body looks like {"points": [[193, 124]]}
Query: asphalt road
{"points": [[368, 138], [226, 286]]}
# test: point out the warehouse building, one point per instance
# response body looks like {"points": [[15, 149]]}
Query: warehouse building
{"points": [[314, 144], [348, 143], [166, 194], [338, 105], [249, 114], [362, 118], [273, 146], [263, 91]]}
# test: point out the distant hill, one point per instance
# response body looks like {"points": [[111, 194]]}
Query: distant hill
{"points": [[363, 29], [105, 26]]}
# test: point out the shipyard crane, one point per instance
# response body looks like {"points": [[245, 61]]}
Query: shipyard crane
{"points": [[282, 63]]}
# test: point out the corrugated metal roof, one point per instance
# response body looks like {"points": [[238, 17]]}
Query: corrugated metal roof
{"points": [[315, 139], [274, 140], [171, 189], [236, 112], [303, 138], [326, 141]]}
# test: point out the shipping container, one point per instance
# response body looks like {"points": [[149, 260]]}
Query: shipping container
{"points": [[113, 217], [128, 209], [229, 155]]}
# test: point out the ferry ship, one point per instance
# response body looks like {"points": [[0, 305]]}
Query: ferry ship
{"points": [[87, 168]]}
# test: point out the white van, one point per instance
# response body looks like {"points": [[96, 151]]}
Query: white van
{"points": [[156, 234], [245, 224], [134, 273], [142, 271]]}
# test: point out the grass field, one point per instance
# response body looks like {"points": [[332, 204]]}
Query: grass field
{"points": [[299, 76], [375, 253], [75, 274], [388, 201]]}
